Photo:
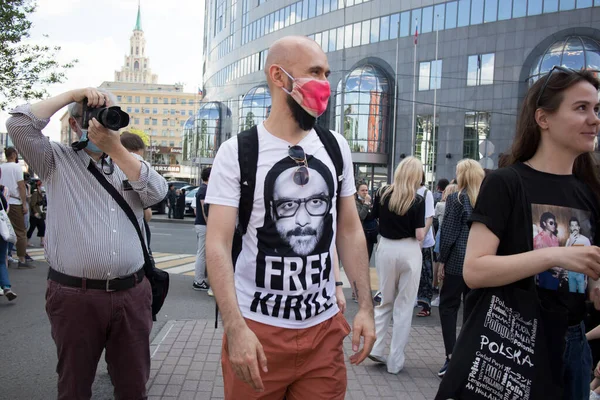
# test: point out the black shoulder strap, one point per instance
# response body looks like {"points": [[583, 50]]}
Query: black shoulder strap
{"points": [[126, 208], [247, 158], [333, 150]]}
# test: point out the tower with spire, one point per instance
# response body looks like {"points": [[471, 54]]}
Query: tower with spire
{"points": [[136, 68]]}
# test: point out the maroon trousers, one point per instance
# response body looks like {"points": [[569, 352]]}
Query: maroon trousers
{"points": [[85, 322]]}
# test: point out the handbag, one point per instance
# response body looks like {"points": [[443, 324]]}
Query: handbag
{"points": [[511, 345], [159, 279], [6, 229]]}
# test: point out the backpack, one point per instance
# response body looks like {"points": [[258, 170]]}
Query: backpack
{"points": [[248, 160]]}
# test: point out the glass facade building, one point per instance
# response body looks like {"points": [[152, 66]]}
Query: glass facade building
{"points": [[466, 100]]}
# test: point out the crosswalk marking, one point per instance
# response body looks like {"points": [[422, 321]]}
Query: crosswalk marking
{"points": [[183, 264]]}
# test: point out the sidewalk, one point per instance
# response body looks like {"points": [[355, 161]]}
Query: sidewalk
{"points": [[186, 365], [188, 219]]}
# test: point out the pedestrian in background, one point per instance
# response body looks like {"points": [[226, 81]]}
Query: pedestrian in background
{"points": [[453, 244], [172, 201], [425, 293], [135, 144], [13, 178], [364, 205], [37, 219], [401, 213], [201, 210], [180, 208], [5, 286]]}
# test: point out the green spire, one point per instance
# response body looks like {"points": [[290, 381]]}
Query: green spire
{"points": [[138, 23]]}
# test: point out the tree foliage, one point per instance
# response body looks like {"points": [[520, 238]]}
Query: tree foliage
{"points": [[141, 134], [25, 69]]}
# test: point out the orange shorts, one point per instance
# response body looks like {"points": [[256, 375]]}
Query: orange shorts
{"points": [[303, 363]]}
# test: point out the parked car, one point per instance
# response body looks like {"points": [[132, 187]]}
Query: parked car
{"points": [[190, 201], [161, 207]]}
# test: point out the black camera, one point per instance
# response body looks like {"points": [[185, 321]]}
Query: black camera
{"points": [[112, 118]]}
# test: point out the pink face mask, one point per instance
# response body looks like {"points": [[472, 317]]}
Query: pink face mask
{"points": [[312, 94]]}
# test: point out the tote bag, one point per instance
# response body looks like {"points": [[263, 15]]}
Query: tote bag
{"points": [[6, 229]]}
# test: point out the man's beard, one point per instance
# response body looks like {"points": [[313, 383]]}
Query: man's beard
{"points": [[305, 121], [303, 240]]}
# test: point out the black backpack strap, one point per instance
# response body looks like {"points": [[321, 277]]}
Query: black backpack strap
{"points": [[247, 158], [333, 150]]}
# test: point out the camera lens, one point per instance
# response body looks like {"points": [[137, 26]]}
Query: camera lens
{"points": [[111, 119]]}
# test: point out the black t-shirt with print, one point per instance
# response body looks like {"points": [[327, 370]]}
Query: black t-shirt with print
{"points": [[394, 226], [558, 211]]}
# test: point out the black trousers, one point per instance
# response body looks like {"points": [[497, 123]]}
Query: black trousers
{"points": [[38, 223], [453, 289]]}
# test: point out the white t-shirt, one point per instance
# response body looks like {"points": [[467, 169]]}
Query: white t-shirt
{"points": [[284, 275], [429, 212], [10, 174]]}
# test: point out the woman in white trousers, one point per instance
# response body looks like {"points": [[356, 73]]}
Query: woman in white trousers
{"points": [[401, 213]]}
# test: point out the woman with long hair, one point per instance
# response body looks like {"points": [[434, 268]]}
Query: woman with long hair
{"points": [[401, 213], [551, 170], [453, 243]]}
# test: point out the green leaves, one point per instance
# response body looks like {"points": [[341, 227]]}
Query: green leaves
{"points": [[25, 69]]}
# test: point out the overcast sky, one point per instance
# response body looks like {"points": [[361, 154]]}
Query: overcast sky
{"points": [[97, 34]]}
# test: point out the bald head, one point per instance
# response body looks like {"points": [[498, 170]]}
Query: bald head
{"points": [[298, 55]]}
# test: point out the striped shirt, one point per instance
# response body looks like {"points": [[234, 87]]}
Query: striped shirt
{"points": [[87, 234]]}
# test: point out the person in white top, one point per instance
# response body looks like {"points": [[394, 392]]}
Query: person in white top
{"points": [[426, 284], [12, 177], [283, 329]]}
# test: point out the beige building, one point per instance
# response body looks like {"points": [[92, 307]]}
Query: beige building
{"points": [[160, 110]]}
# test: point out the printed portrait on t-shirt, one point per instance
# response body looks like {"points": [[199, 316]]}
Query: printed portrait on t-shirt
{"points": [[294, 262], [555, 226]]}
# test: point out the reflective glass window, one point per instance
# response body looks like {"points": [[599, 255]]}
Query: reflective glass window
{"points": [[318, 39], [415, 21], [477, 128], [519, 9], [325, 41], [349, 3], [312, 8], [504, 9], [340, 38], [596, 3], [286, 16], [534, 7], [464, 12], [254, 107], [424, 75], [438, 17], [427, 20], [366, 32], [365, 117], [491, 11], [384, 28], [476, 12], [356, 35], [584, 3], [436, 75], [348, 36], [394, 25], [305, 10], [451, 12], [374, 30], [405, 24], [319, 7], [550, 6], [341, 4], [332, 39], [326, 6], [425, 148], [480, 70], [334, 5], [567, 5], [299, 11]]}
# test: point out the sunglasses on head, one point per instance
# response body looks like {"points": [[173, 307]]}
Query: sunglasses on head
{"points": [[559, 68], [297, 154]]}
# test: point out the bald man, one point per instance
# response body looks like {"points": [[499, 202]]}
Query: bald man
{"points": [[283, 329]]}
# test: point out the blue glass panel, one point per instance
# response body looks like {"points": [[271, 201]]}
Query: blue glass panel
{"points": [[438, 17], [326, 6], [476, 12], [451, 11], [464, 11], [312, 8], [394, 25], [384, 32], [427, 20], [534, 7], [596, 2], [573, 56], [519, 9], [319, 7], [505, 9], [415, 21], [334, 5], [374, 30], [584, 3], [491, 11], [567, 5], [404, 23], [550, 6]]}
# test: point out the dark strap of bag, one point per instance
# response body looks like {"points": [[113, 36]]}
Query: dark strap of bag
{"points": [[158, 294]]}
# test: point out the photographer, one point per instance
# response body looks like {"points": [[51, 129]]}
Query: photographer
{"points": [[97, 297]]}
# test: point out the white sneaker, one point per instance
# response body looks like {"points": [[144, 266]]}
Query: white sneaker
{"points": [[1, 292], [12, 260], [210, 292], [436, 302]]}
